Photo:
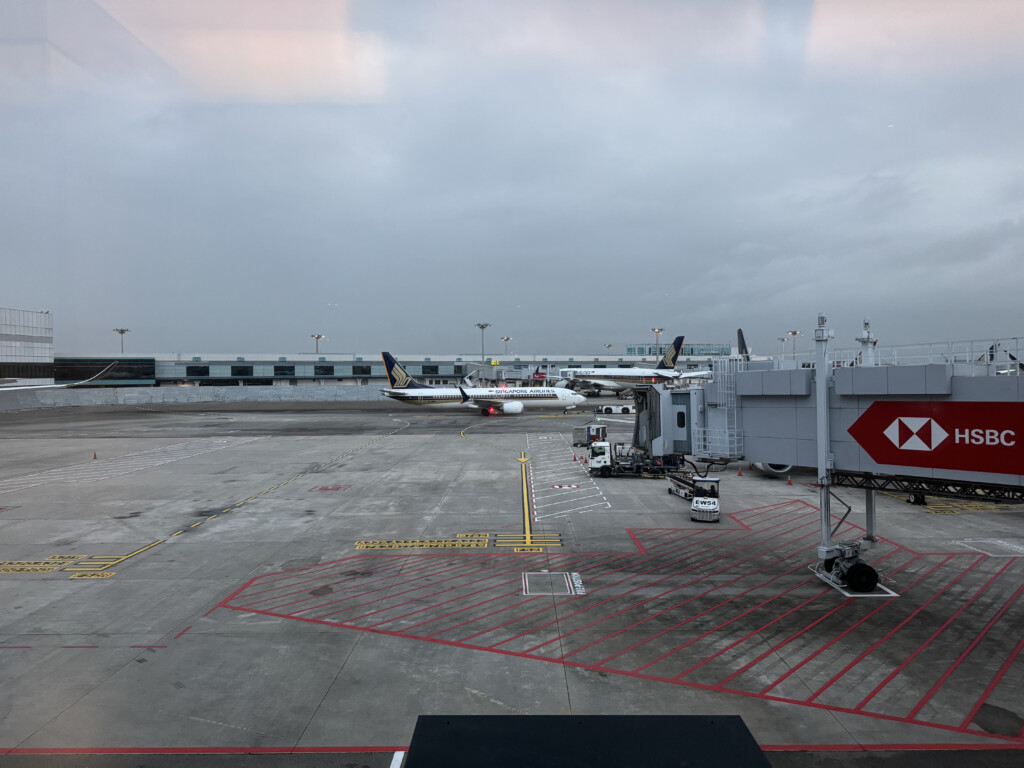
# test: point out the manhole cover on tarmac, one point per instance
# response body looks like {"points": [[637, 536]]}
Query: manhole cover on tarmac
{"points": [[547, 583]]}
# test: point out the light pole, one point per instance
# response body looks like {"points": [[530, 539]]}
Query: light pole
{"points": [[607, 349], [794, 334], [316, 338], [122, 331], [506, 339], [782, 340], [481, 326], [657, 333]]}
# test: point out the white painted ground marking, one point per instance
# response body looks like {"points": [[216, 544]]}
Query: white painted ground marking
{"points": [[992, 547], [396, 760]]}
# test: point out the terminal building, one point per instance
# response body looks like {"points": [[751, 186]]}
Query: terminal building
{"points": [[26, 347], [27, 357]]}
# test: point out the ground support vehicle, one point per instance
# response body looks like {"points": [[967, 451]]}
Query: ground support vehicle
{"points": [[621, 459], [629, 407], [589, 433], [701, 492]]}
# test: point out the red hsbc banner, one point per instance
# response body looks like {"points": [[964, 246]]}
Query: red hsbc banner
{"points": [[972, 437]]}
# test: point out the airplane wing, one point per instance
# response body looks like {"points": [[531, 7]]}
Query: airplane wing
{"points": [[695, 375], [101, 375]]}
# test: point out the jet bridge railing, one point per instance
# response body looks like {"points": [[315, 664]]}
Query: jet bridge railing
{"points": [[983, 357]]}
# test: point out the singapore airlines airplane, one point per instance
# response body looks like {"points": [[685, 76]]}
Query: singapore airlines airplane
{"points": [[625, 379], [102, 374], [490, 400]]}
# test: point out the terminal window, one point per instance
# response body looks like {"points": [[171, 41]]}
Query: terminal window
{"points": [[241, 370], [430, 370], [284, 370], [197, 370], [323, 370], [360, 370]]}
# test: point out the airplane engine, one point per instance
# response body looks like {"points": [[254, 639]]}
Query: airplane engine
{"points": [[512, 407], [779, 470]]}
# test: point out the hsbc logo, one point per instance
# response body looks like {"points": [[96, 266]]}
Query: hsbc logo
{"points": [[938, 435], [916, 433], [919, 433]]}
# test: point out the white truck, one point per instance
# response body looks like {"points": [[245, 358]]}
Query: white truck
{"points": [[608, 459], [629, 407], [702, 493]]}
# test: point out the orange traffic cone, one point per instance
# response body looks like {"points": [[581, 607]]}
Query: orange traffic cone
{"points": [[574, 457], [789, 480], [94, 455], [739, 472]]}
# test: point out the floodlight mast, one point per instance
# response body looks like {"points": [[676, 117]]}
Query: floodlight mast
{"points": [[122, 331], [482, 326], [657, 333]]}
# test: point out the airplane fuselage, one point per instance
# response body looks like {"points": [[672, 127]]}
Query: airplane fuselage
{"points": [[530, 397]]}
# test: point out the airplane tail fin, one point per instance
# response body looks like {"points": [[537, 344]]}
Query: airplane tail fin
{"points": [[741, 345], [671, 355], [398, 377], [465, 397]]}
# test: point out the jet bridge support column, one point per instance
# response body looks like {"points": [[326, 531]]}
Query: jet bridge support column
{"points": [[840, 562], [822, 374], [869, 511]]}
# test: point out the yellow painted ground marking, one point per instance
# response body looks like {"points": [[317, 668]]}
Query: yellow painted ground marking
{"points": [[105, 575], [177, 533], [462, 541], [195, 524], [101, 562], [49, 565]]}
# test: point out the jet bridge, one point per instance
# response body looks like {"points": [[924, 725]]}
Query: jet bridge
{"points": [[948, 420]]}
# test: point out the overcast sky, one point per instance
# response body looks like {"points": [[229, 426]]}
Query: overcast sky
{"points": [[235, 176]]}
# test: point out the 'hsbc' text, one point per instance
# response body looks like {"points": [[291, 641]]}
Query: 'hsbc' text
{"points": [[985, 437]]}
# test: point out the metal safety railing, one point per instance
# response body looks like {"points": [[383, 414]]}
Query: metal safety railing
{"points": [[982, 357]]}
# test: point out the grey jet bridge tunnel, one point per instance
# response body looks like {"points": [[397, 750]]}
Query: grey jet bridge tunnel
{"points": [[947, 422]]}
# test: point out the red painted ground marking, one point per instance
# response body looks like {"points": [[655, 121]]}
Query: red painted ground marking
{"points": [[840, 636], [79, 646], [775, 648], [931, 637], [726, 568], [186, 629], [892, 631], [991, 686], [330, 488], [147, 646], [12, 647], [5, 509], [487, 615], [969, 648], [595, 590], [636, 541], [430, 597]]}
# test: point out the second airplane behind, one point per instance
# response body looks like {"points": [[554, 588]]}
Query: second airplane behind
{"points": [[627, 379]]}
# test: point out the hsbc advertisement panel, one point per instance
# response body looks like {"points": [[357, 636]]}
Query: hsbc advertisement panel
{"points": [[972, 437]]}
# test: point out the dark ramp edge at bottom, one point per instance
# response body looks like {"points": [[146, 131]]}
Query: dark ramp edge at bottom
{"points": [[595, 741]]}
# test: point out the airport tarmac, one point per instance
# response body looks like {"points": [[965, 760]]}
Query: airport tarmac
{"points": [[213, 580]]}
